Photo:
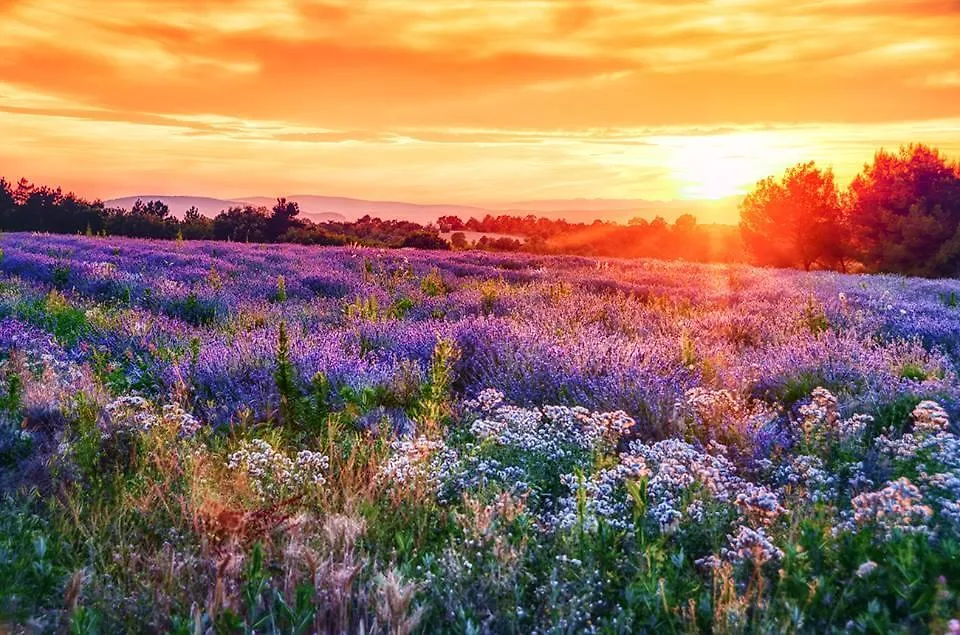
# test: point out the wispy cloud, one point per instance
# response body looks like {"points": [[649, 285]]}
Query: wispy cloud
{"points": [[452, 99]]}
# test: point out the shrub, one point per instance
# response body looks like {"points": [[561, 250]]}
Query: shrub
{"points": [[433, 284]]}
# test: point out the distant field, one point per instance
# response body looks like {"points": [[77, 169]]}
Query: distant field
{"points": [[278, 438]]}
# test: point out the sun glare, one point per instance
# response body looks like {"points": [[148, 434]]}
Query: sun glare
{"points": [[717, 166]]}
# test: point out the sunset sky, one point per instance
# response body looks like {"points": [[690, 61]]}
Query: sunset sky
{"points": [[466, 101]]}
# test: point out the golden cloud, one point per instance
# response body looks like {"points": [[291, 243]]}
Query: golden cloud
{"points": [[327, 81]]}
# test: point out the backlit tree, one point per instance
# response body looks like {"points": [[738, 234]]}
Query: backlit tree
{"points": [[796, 221], [904, 212]]}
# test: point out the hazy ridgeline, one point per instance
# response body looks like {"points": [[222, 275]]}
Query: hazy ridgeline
{"points": [[283, 438]]}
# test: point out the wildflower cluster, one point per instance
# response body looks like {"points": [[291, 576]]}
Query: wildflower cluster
{"points": [[928, 441], [721, 415], [898, 507], [131, 414], [751, 545], [486, 400], [600, 496], [932, 452], [127, 415], [554, 431], [686, 486], [274, 474], [421, 461], [822, 425], [806, 477]]}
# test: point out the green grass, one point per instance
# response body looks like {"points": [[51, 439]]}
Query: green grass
{"points": [[55, 314]]}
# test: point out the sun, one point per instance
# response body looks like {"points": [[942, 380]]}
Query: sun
{"points": [[714, 178], [717, 166]]}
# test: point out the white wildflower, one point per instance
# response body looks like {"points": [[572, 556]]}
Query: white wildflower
{"points": [[866, 568]]}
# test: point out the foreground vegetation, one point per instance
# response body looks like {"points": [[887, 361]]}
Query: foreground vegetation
{"points": [[234, 438]]}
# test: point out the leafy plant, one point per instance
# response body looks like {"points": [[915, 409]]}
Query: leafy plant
{"points": [[61, 275], [285, 376], [814, 317], [433, 284], [367, 308]]}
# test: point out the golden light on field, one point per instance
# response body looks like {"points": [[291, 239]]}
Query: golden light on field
{"points": [[466, 101]]}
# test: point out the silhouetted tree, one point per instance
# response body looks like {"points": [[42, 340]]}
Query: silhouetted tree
{"points": [[7, 202], [282, 218], [196, 226], [425, 240], [76, 215], [22, 192], [458, 240], [506, 244], [904, 211], [153, 209], [144, 220], [659, 225], [40, 210], [242, 224], [793, 222], [450, 223]]}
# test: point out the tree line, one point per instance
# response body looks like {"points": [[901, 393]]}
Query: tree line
{"points": [[29, 207], [528, 226], [684, 239], [901, 214]]}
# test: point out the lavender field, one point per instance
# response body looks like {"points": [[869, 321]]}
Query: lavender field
{"points": [[218, 437]]}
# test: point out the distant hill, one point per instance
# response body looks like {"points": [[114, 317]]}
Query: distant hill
{"points": [[338, 208], [178, 204], [354, 208], [212, 206]]}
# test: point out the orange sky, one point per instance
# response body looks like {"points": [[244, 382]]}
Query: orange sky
{"points": [[466, 101]]}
